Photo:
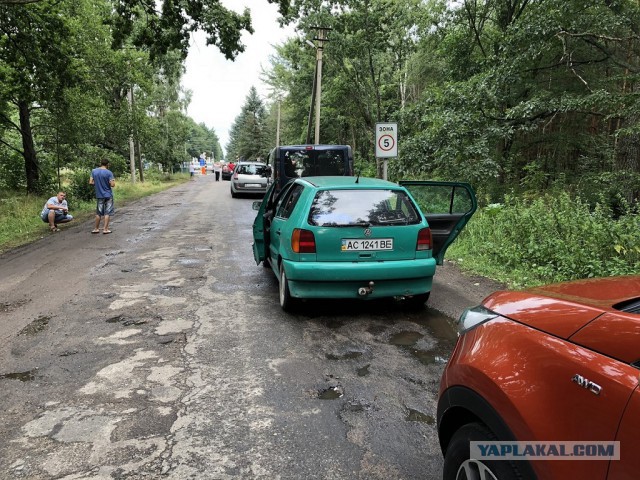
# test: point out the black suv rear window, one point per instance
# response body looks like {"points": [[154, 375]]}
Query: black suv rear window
{"points": [[343, 208]]}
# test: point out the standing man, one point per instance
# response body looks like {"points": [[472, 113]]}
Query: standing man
{"points": [[217, 169], [103, 181], [56, 211]]}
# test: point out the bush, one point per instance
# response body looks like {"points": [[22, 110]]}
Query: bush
{"points": [[79, 187], [550, 239]]}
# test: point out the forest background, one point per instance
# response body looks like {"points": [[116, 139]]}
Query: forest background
{"points": [[535, 103]]}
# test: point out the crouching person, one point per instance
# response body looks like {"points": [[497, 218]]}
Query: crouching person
{"points": [[56, 211]]}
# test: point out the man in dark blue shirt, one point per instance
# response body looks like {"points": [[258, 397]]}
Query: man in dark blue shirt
{"points": [[103, 181]]}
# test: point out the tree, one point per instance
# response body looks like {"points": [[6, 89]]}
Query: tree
{"points": [[248, 135], [169, 27], [36, 66]]}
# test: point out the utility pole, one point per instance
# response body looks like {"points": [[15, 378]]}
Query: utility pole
{"points": [[317, 82], [278, 126], [132, 153]]}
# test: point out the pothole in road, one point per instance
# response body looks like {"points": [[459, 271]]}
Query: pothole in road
{"points": [[331, 393], [428, 357], [22, 376], [35, 327], [333, 324], [345, 356], [126, 321], [6, 307], [405, 339], [440, 325], [417, 416], [377, 329], [408, 339], [363, 371], [190, 262]]}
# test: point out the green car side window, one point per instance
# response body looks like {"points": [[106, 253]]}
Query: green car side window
{"points": [[289, 201]]}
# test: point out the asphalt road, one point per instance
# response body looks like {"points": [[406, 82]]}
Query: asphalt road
{"points": [[160, 351]]}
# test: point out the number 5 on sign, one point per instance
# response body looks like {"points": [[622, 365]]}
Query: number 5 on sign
{"points": [[386, 140]]}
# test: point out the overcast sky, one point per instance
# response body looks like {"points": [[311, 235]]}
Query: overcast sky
{"points": [[219, 86]]}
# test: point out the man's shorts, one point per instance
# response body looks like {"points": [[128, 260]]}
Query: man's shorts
{"points": [[58, 218], [104, 207]]}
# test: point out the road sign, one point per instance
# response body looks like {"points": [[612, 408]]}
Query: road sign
{"points": [[386, 140]]}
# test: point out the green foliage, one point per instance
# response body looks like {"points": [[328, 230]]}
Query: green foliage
{"points": [[79, 187], [550, 239], [248, 138]]}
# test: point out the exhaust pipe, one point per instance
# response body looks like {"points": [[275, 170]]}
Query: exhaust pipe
{"points": [[364, 291]]}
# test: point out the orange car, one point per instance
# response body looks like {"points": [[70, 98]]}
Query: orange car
{"points": [[541, 371]]}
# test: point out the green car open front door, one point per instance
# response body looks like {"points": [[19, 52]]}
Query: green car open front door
{"points": [[447, 206]]}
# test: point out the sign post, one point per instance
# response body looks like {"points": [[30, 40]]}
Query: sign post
{"points": [[386, 143]]}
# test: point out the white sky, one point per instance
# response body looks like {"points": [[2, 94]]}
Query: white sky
{"points": [[219, 86]]}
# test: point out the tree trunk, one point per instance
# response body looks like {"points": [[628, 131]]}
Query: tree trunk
{"points": [[627, 159], [28, 148]]}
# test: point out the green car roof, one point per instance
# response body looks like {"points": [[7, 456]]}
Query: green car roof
{"points": [[349, 182]]}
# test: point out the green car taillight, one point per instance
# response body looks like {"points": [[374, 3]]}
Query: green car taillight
{"points": [[303, 241]]}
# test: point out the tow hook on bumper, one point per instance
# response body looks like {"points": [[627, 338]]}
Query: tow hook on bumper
{"points": [[364, 291]]}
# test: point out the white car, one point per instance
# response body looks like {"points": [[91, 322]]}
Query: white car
{"points": [[249, 178]]}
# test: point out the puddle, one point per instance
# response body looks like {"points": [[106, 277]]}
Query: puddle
{"points": [[405, 339], [330, 393], [344, 356], [38, 325], [22, 376], [440, 325], [429, 357], [416, 416], [363, 371]]}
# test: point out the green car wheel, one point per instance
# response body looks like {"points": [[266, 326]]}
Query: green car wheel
{"points": [[287, 302]]}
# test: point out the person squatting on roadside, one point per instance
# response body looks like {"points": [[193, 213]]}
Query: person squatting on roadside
{"points": [[103, 180], [56, 211]]}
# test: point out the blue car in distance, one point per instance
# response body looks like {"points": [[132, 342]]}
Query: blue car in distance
{"points": [[363, 238]]}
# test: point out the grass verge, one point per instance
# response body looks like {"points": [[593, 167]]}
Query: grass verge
{"points": [[20, 221]]}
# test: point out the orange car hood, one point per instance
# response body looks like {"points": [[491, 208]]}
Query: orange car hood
{"points": [[563, 309]]}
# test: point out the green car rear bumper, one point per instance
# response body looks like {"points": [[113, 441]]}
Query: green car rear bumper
{"points": [[344, 279]]}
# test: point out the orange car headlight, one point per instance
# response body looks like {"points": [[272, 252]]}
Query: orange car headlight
{"points": [[472, 317]]}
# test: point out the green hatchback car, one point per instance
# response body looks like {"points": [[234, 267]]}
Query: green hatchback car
{"points": [[358, 238]]}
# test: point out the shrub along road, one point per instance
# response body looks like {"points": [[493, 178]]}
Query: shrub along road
{"points": [[161, 350]]}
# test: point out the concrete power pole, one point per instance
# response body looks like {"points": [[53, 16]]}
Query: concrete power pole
{"points": [[317, 81]]}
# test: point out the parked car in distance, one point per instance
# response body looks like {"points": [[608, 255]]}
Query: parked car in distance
{"points": [[227, 171], [249, 178], [547, 364], [360, 238]]}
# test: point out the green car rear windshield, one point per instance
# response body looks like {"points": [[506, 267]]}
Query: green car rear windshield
{"points": [[361, 207]]}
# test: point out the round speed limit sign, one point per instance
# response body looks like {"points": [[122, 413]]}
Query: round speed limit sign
{"points": [[386, 140]]}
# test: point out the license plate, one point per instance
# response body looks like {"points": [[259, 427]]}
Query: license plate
{"points": [[253, 185], [369, 244]]}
